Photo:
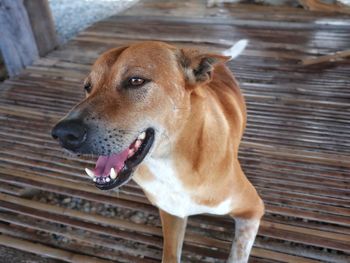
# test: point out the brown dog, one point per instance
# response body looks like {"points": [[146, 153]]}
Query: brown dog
{"points": [[172, 119]]}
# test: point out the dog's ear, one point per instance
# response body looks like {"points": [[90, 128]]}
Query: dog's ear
{"points": [[198, 67], [109, 57]]}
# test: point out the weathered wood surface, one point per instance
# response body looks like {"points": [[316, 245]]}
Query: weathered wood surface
{"points": [[295, 149], [17, 42], [326, 58], [317, 5], [42, 24]]}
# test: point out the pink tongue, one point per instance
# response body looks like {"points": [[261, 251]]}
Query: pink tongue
{"points": [[105, 163]]}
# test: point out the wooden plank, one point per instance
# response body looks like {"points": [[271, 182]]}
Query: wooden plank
{"points": [[17, 42], [338, 239], [326, 58], [10, 189], [317, 5], [197, 9], [25, 207], [95, 240], [85, 248], [47, 251]]}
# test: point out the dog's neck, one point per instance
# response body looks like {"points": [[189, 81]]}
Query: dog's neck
{"points": [[194, 136]]}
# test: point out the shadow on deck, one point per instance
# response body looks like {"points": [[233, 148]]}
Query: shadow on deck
{"points": [[296, 149]]}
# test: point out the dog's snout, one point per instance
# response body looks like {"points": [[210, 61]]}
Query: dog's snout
{"points": [[70, 133]]}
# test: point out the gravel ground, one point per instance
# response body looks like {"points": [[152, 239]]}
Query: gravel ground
{"points": [[96, 208], [10, 255], [110, 211], [73, 16]]}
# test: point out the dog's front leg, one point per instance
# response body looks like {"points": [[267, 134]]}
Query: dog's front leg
{"points": [[246, 230], [173, 235]]}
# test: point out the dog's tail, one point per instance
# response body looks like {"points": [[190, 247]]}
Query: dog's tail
{"points": [[236, 49]]}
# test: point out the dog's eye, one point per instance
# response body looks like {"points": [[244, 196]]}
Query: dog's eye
{"points": [[87, 87], [135, 81]]}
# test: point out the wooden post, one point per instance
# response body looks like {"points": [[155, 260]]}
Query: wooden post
{"points": [[43, 27], [17, 42]]}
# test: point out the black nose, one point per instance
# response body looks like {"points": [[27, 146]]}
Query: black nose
{"points": [[70, 133]]}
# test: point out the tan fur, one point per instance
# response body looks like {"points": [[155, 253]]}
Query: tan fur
{"points": [[200, 121], [173, 232]]}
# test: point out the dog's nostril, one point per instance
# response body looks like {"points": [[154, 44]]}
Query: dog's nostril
{"points": [[72, 137], [70, 133], [54, 133]]}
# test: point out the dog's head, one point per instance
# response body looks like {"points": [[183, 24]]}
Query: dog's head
{"points": [[137, 98]]}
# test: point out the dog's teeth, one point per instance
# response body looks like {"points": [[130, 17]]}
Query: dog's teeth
{"points": [[113, 174], [138, 144], [108, 179], [90, 173], [142, 136]]}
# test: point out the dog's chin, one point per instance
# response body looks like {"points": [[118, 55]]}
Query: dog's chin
{"points": [[115, 170]]}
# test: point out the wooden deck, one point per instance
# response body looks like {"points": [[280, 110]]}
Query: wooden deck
{"points": [[296, 149]]}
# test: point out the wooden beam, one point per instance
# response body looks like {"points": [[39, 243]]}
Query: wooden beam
{"points": [[42, 24], [17, 42]]}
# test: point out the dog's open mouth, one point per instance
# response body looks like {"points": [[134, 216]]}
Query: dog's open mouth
{"points": [[116, 170]]}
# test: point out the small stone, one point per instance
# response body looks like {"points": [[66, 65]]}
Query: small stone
{"points": [[138, 218], [67, 200]]}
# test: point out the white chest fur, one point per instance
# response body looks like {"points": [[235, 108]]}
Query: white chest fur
{"points": [[171, 196]]}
